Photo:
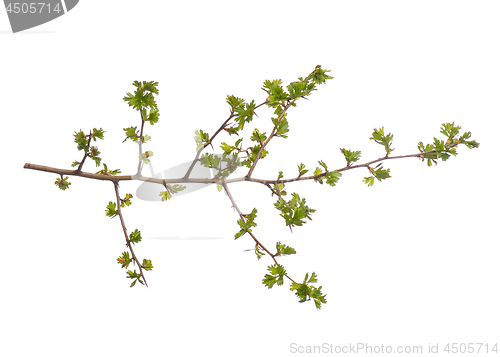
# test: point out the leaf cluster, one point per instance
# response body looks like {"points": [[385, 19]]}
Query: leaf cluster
{"points": [[246, 224], [331, 177], [442, 149], [275, 276], [63, 184], [171, 190], [385, 140], [305, 291], [83, 143], [294, 211], [378, 173]]}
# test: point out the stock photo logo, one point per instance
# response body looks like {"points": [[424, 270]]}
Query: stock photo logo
{"points": [[26, 15]]}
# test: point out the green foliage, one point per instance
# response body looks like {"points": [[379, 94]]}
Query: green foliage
{"points": [[135, 236], [282, 249], [258, 137], [380, 138], [247, 224], [111, 210], [252, 156], [331, 177], [124, 260], [277, 272], [94, 155], [152, 117], [144, 157], [244, 114], [378, 173], [81, 140], [171, 190], [294, 211], [136, 277], [441, 149], [126, 200], [230, 149], [281, 127], [258, 252], [62, 184], [305, 291], [143, 95], [106, 171], [147, 265], [201, 138], [275, 91], [302, 169], [351, 156], [131, 133]]}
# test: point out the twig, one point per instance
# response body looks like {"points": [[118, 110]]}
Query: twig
{"points": [[129, 243]]}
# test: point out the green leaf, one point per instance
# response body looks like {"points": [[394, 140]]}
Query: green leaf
{"points": [[136, 277], [62, 184], [143, 95], [131, 133], [275, 91], [135, 236], [153, 116], [305, 291], [302, 169], [294, 211], [351, 156], [106, 171], [165, 195], [379, 173], [201, 138], [126, 200], [81, 140], [144, 156], [258, 137], [258, 252], [94, 152], [319, 75], [281, 127], [282, 249], [124, 260], [244, 114], [98, 133], [380, 138], [247, 224], [147, 265], [332, 177], [277, 272], [111, 210], [450, 130]]}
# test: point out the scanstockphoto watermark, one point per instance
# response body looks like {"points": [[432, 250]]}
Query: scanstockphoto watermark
{"points": [[24, 15], [430, 348], [329, 348]]}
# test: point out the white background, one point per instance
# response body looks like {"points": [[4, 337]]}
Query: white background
{"points": [[412, 260]]}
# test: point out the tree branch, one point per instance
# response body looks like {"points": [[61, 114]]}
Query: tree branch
{"points": [[129, 243], [242, 216]]}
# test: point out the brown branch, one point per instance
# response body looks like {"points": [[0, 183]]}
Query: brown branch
{"points": [[243, 217], [207, 180], [139, 167], [86, 154], [129, 243], [259, 154]]}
